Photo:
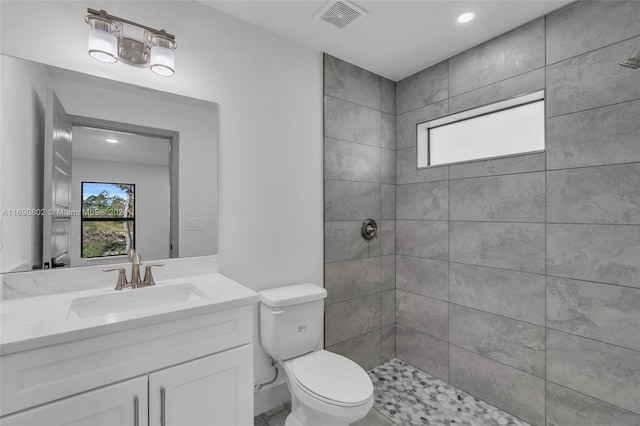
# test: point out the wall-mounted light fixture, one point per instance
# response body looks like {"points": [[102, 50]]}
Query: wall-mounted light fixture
{"points": [[112, 39]]}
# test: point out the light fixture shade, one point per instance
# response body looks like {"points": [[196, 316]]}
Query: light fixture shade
{"points": [[162, 61], [103, 45]]}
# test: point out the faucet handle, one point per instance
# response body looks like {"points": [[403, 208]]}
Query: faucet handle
{"points": [[122, 277], [148, 277]]}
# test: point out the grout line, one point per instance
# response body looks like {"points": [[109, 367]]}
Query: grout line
{"points": [[355, 142], [588, 51], [499, 362], [593, 397], [591, 339], [355, 103], [546, 217]]}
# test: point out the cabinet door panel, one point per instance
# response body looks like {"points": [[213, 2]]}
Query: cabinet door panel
{"points": [[211, 391], [110, 406]]}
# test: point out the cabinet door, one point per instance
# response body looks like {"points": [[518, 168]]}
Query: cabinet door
{"points": [[213, 391], [122, 404]]}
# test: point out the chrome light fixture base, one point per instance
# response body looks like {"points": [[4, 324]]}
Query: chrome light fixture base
{"points": [[134, 52]]}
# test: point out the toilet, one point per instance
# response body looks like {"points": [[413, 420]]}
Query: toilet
{"points": [[326, 389]]}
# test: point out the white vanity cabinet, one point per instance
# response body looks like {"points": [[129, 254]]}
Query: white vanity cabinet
{"points": [[196, 369]]}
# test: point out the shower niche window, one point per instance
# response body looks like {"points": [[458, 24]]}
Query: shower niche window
{"points": [[107, 219], [511, 127]]}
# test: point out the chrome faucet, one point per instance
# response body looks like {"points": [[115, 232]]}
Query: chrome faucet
{"points": [[136, 262]]}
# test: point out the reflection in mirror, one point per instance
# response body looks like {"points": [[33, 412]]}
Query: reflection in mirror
{"points": [[58, 141]]}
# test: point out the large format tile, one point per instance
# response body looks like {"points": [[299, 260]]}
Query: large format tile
{"points": [[603, 312], [607, 135], [511, 198], [407, 169], [423, 201], [388, 131], [506, 89], [422, 351], [388, 96], [351, 279], [351, 161], [512, 390], [422, 88], [388, 203], [602, 253], [596, 79], [427, 315], [423, 238], [345, 200], [363, 349], [346, 320], [588, 25], [350, 122], [388, 166], [513, 294], [406, 123], [606, 372], [388, 266], [343, 241], [388, 307], [607, 194], [515, 343], [516, 246], [568, 408], [423, 276], [387, 238], [499, 166], [387, 342], [351, 83], [508, 55]]}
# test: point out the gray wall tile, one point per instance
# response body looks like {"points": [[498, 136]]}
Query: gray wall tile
{"points": [[388, 265], [513, 53], [596, 80], [422, 351], [388, 131], [346, 320], [387, 343], [423, 238], [603, 312], [516, 246], [423, 201], [364, 349], [351, 200], [407, 169], [351, 122], [607, 135], [424, 314], [343, 241], [351, 161], [505, 387], [606, 372], [388, 307], [568, 408], [422, 88], [351, 83], [603, 253], [388, 202], [387, 230], [351, 279], [388, 166], [406, 123], [499, 166], [388, 96], [423, 276], [588, 25], [511, 198], [506, 89], [513, 294], [607, 194], [515, 343]]}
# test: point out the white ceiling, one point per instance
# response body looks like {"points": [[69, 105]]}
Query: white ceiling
{"points": [[396, 38]]}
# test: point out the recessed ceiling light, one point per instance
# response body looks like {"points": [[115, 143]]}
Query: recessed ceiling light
{"points": [[112, 140], [466, 17]]}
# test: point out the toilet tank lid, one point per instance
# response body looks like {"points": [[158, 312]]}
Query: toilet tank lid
{"points": [[292, 295]]}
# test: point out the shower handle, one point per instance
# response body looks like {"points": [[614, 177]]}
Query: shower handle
{"points": [[369, 229]]}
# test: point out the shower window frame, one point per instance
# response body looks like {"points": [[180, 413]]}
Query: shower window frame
{"points": [[423, 139]]}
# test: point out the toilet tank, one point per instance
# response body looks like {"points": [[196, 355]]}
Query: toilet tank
{"points": [[291, 320]]}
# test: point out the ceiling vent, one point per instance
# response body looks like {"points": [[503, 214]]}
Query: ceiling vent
{"points": [[342, 14]]}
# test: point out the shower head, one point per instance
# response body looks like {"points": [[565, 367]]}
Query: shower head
{"points": [[633, 61]]}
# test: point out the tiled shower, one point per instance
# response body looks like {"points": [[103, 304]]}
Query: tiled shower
{"points": [[515, 279]]}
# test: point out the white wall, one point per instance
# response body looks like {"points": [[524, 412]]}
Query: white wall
{"points": [[270, 96], [151, 200]]}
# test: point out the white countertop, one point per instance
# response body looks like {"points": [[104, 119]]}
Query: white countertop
{"points": [[33, 322]]}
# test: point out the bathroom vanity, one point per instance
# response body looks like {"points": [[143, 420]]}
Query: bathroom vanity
{"points": [[178, 353]]}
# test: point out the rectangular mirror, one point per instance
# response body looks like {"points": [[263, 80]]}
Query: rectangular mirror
{"points": [[73, 147]]}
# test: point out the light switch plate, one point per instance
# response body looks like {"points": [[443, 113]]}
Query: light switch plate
{"points": [[194, 224]]}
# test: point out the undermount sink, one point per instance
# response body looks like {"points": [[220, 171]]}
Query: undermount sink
{"points": [[124, 301]]}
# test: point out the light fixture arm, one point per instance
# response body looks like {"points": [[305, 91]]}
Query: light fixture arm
{"points": [[105, 15]]}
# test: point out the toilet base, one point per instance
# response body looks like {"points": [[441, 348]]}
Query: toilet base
{"points": [[299, 418]]}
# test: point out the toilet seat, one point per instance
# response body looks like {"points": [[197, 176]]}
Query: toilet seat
{"points": [[332, 378]]}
